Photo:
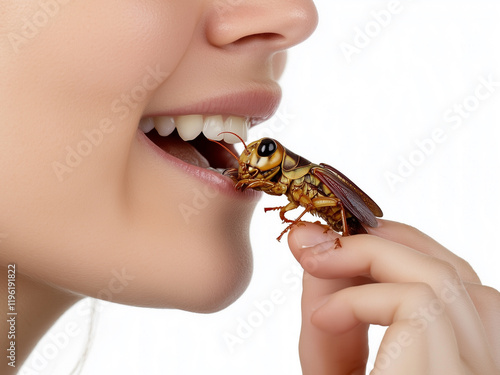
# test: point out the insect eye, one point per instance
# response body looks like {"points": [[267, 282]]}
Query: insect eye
{"points": [[267, 147]]}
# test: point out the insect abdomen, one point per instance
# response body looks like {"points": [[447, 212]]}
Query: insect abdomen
{"points": [[310, 187]]}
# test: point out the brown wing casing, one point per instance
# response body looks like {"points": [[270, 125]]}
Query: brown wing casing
{"points": [[359, 204]]}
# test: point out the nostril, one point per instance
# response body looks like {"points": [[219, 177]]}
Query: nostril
{"points": [[275, 24], [264, 37]]}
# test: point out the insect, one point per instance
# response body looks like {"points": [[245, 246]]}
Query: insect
{"points": [[268, 166]]}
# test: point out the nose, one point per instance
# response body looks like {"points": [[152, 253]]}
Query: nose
{"points": [[271, 24]]}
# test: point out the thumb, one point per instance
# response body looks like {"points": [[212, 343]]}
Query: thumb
{"points": [[322, 352]]}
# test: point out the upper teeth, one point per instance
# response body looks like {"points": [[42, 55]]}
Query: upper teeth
{"points": [[190, 126]]}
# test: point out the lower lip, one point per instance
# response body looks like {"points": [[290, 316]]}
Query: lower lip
{"points": [[221, 183]]}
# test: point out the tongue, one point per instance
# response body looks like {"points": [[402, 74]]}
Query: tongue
{"points": [[176, 147]]}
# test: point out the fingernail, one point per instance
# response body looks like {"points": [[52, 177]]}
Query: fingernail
{"points": [[311, 235], [323, 247]]}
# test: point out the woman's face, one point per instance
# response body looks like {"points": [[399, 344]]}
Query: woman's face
{"points": [[90, 203]]}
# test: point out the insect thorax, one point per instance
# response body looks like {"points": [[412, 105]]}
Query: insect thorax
{"points": [[310, 187]]}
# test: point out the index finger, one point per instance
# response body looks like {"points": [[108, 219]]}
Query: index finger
{"points": [[322, 352], [415, 239], [387, 261]]}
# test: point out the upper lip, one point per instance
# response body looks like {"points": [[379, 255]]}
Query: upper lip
{"points": [[257, 104]]}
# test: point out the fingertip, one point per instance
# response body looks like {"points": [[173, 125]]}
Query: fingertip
{"points": [[307, 235], [307, 241], [323, 311]]}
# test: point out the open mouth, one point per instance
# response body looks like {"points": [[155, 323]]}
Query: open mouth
{"points": [[188, 138]]}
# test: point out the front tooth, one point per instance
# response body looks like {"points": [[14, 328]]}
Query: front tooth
{"points": [[218, 170], [165, 125], [212, 126], [189, 127], [237, 125], [146, 124]]}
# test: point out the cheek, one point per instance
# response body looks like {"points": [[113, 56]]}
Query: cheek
{"points": [[197, 247], [188, 249], [202, 265], [197, 259], [210, 259], [109, 47], [202, 261]]}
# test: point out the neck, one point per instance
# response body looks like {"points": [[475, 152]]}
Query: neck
{"points": [[29, 308]]}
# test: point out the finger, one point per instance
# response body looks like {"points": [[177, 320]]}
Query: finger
{"points": [[324, 353], [307, 235], [389, 262], [415, 239], [416, 342], [320, 352], [487, 302], [485, 299]]}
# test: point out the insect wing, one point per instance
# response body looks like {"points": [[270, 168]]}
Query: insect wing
{"points": [[352, 197]]}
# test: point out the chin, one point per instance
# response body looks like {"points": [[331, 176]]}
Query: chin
{"points": [[224, 265], [202, 267], [223, 287]]}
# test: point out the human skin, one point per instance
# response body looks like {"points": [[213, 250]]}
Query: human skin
{"points": [[440, 318], [71, 222], [117, 210]]}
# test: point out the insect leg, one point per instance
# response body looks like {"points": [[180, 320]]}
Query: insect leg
{"points": [[350, 225], [326, 202], [308, 204], [290, 206], [266, 209], [338, 244], [345, 232], [253, 184], [331, 202], [232, 173], [293, 222]]}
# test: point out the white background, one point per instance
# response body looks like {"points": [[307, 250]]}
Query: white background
{"points": [[364, 114]]}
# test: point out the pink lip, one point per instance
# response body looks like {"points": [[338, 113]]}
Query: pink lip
{"points": [[215, 180], [258, 105]]}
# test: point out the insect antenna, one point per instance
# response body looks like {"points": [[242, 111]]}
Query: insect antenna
{"points": [[241, 164], [226, 148], [237, 136]]}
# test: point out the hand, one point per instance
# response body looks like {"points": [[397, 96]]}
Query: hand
{"points": [[440, 318]]}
